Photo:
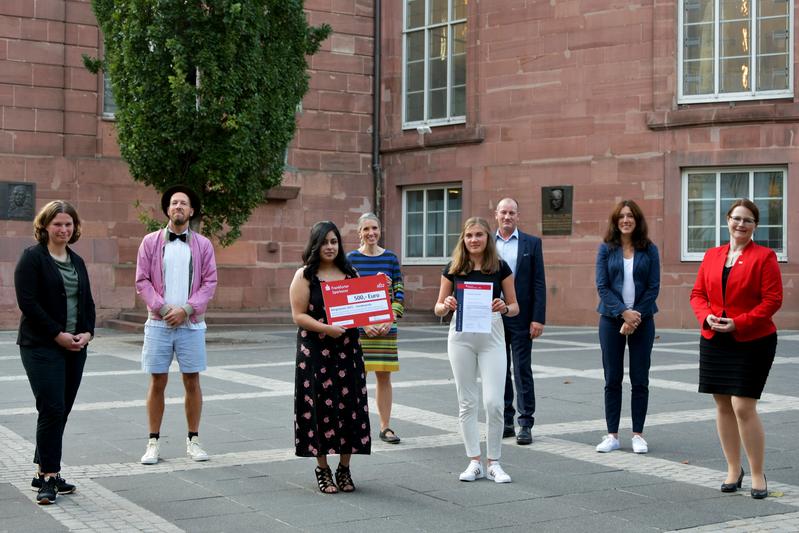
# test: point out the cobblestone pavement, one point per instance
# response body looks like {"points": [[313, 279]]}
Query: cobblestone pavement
{"points": [[253, 480]]}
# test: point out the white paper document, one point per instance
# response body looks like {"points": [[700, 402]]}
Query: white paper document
{"points": [[474, 306]]}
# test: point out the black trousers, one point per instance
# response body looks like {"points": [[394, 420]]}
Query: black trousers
{"points": [[54, 375]]}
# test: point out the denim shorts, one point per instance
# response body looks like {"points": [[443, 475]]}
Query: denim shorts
{"points": [[160, 344]]}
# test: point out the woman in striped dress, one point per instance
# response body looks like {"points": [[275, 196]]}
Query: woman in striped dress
{"points": [[379, 341]]}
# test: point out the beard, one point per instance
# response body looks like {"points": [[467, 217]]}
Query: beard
{"points": [[179, 219]]}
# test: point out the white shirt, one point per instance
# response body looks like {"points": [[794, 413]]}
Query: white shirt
{"points": [[508, 249], [628, 286], [177, 279]]}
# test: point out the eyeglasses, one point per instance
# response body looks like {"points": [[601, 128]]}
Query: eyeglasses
{"points": [[743, 220]]}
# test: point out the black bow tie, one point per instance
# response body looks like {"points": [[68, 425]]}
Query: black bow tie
{"points": [[173, 236]]}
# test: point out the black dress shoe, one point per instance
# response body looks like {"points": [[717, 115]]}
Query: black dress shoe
{"points": [[760, 494], [525, 436], [732, 487], [509, 431]]}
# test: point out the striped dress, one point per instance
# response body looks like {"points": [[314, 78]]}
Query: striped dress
{"points": [[380, 353]]}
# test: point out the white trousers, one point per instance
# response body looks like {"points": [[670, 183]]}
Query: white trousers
{"points": [[483, 353]]}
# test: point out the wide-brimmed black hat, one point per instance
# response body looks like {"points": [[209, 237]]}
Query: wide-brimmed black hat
{"points": [[193, 198]]}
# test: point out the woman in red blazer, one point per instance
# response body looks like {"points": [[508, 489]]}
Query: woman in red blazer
{"points": [[737, 291]]}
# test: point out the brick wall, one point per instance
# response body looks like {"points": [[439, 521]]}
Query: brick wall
{"points": [[52, 134], [583, 94]]}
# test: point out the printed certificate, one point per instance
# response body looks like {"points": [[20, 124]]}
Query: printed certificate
{"points": [[474, 306], [354, 302]]}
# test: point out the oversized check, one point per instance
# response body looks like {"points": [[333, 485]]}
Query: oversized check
{"points": [[354, 302]]}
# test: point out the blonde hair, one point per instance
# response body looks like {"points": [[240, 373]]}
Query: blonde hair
{"points": [[462, 263], [48, 213], [363, 218]]}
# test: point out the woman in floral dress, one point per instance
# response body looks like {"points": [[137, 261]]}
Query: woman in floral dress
{"points": [[331, 414]]}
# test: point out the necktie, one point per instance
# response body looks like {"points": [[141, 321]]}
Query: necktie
{"points": [[173, 236]]}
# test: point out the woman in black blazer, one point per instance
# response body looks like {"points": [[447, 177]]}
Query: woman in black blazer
{"points": [[57, 323]]}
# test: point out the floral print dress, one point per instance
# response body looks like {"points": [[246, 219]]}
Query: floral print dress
{"points": [[331, 413]]}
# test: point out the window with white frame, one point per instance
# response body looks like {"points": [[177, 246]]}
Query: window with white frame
{"points": [[708, 194], [735, 50], [434, 66], [109, 104], [431, 223]]}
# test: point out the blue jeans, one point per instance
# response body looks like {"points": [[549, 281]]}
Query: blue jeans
{"points": [[640, 346], [518, 349]]}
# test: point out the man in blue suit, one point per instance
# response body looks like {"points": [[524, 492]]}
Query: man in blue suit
{"points": [[523, 254]]}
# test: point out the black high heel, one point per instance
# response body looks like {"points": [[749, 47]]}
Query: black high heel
{"points": [[732, 487], [759, 494]]}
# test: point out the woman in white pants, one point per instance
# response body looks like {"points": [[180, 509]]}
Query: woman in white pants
{"points": [[475, 259]]}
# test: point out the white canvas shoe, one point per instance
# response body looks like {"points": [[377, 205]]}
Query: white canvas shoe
{"points": [[194, 450], [473, 472], [608, 444], [151, 455], [639, 444]]}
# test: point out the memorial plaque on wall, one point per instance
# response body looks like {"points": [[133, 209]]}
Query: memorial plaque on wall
{"points": [[17, 200], [556, 210]]}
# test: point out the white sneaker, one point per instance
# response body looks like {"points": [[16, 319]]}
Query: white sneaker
{"points": [[608, 444], [150, 456], [496, 474], [194, 450], [639, 444], [473, 471]]}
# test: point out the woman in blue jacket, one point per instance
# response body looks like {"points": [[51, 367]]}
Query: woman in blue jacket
{"points": [[628, 282]]}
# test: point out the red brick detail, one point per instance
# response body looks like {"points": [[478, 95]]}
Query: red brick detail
{"points": [[30, 143], [39, 97], [15, 72], [47, 75], [19, 119], [80, 79], [10, 27], [79, 12], [36, 52], [49, 9], [49, 120], [80, 145], [80, 123], [82, 101]]}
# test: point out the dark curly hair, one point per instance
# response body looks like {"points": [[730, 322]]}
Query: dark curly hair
{"points": [[48, 213], [640, 236], [310, 256]]}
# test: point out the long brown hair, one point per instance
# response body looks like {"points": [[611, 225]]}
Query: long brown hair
{"points": [[462, 264], [48, 213], [640, 236]]}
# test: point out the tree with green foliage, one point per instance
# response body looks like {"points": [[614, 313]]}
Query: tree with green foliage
{"points": [[207, 92]]}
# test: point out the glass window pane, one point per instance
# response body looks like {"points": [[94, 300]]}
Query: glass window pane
{"points": [[698, 11], [413, 246], [702, 213], [414, 43], [770, 236], [454, 200], [772, 36], [735, 39], [772, 8], [458, 102], [768, 185], [734, 185], [459, 69], [414, 107], [459, 38], [435, 200], [438, 104], [109, 104], [415, 77], [702, 186], [435, 246], [438, 11], [454, 222], [435, 224], [459, 9], [414, 225], [734, 75], [698, 77], [734, 9], [700, 239], [438, 58], [770, 213], [414, 10], [772, 72], [415, 201]]}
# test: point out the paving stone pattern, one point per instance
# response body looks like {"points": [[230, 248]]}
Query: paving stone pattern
{"points": [[254, 482]]}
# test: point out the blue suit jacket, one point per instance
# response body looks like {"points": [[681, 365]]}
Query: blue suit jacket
{"points": [[610, 278], [530, 282]]}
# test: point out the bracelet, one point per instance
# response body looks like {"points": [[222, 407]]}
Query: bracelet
{"points": [[505, 311]]}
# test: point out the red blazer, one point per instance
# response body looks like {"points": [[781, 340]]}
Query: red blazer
{"points": [[754, 291]]}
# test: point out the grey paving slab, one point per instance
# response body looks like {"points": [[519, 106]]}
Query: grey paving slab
{"points": [[253, 482]]}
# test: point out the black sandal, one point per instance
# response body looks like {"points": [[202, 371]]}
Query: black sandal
{"points": [[391, 439], [324, 477], [344, 478]]}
